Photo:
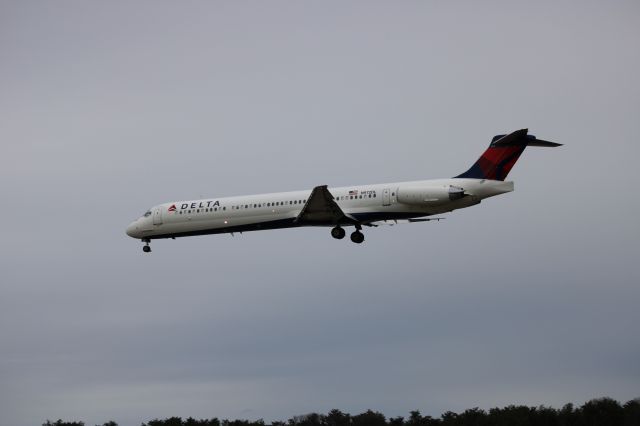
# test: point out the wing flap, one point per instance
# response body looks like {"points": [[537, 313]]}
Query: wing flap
{"points": [[391, 222]]}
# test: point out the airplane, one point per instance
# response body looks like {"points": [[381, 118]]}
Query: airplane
{"points": [[357, 205]]}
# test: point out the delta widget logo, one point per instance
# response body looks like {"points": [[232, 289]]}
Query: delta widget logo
{"points": [[172, 209]]}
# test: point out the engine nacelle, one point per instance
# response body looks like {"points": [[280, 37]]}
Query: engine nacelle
{"points": [[429, 196]]}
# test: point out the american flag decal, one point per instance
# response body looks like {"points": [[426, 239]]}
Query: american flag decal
{"points": [[353, 192]]}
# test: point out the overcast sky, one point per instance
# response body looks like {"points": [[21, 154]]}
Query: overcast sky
{"points": [[108, 108]]}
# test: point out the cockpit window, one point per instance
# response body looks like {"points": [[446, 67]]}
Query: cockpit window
{"points": [[147, 214]]}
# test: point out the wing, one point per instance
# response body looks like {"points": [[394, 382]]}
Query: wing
{"points": [[321, 209]]}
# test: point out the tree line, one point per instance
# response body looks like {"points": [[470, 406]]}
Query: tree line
{"points": [[596, 412]]}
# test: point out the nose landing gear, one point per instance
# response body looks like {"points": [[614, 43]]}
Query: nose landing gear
{"points": [[146, 248]]}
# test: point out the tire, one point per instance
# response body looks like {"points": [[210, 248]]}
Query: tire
{"points": [[357, 237], [338, 233]]}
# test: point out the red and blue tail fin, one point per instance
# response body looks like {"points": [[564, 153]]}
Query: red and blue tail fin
{"points": [[498, 160]]}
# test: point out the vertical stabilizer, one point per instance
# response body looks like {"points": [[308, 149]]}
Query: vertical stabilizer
{"points": [[503, 152]]}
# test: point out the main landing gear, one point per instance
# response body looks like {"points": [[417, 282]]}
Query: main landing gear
{"points": [[146, 248], [357, 236], [338, 233]]}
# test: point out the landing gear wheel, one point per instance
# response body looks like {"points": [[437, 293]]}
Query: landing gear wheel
{"points": [[357, 237], [338, 233], [146, 248]]}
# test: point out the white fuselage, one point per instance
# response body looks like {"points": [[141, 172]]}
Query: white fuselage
{"points": [[362, 204]]}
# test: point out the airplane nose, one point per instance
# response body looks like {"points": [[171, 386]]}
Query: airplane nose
{"points": [[132, 230]]}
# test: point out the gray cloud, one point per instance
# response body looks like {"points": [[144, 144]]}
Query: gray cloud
{"points": [[108, 109]]}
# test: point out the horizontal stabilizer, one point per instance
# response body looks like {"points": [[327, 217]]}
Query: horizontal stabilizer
{"points": [[540, 142], [520, 138]]}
